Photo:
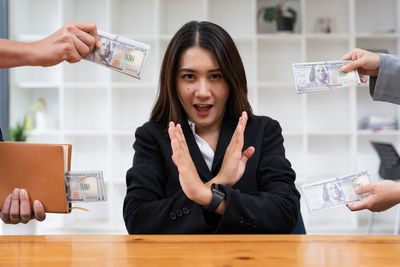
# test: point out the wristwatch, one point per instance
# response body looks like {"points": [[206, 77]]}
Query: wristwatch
{"points": [[217, 197]]}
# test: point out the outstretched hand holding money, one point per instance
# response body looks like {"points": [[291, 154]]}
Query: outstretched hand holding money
{"points": [[70, 43], [366, 62], [382, 196]]}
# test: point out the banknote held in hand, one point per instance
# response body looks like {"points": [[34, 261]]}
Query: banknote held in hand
{"points": [[334, 192], [319, 76], [120, 54]]}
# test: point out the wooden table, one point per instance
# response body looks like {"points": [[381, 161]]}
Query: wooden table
{"points": [[200, 250]]}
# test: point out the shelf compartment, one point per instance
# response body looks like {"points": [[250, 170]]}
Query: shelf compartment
{"points": [[328, 157], [80, 106], [133, 17], [94, 11], [367, 107], [35, 17], [282, 104], [270, 27], [275, 59], [246, 51], [130, 111], [22, 99], [175, 13], [118, 193], [383, 10], [39, 75], [334, 49], [86, 72], [89, 153], [324, 114], [385, 45], [295, 153], [122, 155], [234, 11], [334, 15]]}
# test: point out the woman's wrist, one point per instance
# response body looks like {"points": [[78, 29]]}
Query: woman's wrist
{"points": [[203, 196]]}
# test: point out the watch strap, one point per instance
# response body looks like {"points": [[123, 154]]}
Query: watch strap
{"points": [[217, 197]]}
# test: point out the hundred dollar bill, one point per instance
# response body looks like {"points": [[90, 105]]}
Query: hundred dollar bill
{"points": [[85, 186], [334, 192], [319, 76], [120, 54]]}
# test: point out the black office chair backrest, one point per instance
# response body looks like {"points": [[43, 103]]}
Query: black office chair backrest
{"points": [[300, 229], [390, 160]]}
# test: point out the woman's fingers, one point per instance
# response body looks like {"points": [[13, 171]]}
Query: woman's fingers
{"points": [[247, 154]]}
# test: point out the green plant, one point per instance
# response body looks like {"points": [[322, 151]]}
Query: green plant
{"points": [[39, 106], [19, 133], [277, 12]]}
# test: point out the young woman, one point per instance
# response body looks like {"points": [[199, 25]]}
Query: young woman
{"points": [[204, 163]]}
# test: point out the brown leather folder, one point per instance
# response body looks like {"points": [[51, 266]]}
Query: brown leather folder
{"points": [[38, 168]]}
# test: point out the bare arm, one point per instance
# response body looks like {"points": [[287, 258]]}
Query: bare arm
{"points": [[70, 43]]}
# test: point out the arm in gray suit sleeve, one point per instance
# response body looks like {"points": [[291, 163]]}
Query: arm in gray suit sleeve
{"points": [[386, 86]]}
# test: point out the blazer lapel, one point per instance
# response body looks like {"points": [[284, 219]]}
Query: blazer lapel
{"points": [[227, 129], [195, 152]]}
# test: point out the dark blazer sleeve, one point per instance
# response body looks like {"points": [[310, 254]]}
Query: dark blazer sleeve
{"points": [[385, 87], [275, 206], [1, 136], [147, 208]]}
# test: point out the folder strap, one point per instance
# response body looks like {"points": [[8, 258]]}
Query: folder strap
{"points": [[79, 208]]}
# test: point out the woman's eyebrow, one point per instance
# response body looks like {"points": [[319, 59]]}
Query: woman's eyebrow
{"points": [[186, 70], [194, 71], [215, 70]]}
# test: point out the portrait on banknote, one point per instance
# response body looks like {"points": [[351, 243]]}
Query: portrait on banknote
{"points": [[318, 77], [332, 195], [101, 55]]}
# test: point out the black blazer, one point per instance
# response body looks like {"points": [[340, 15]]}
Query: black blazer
{"points": [[264, 200], [1, 136]]}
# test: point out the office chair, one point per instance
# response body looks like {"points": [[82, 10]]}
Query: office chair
{"points": [[389, 169], [300, 229]]}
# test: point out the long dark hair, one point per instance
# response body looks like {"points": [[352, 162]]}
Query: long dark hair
{"points": [[214, 38]]}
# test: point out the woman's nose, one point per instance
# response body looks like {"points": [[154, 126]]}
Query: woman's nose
{"points": [[203, 89]]}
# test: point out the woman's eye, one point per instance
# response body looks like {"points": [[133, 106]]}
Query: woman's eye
{"points": [[188, 76], [216, 76]]}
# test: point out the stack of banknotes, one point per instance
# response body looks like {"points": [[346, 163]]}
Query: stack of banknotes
{"points": [[335, 192], [85, 186], [120, 54], [326, 75]]}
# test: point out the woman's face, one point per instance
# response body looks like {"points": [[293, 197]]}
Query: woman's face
{"points": [[202, 90]]}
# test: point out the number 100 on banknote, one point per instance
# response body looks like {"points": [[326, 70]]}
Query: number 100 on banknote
{"points": [[326, 75]]}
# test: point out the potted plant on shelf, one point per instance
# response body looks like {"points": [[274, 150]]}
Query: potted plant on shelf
{"points": [[20, 132], [285, 18]]}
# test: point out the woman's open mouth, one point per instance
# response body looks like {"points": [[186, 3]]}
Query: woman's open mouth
{"points": [[203, 109]]}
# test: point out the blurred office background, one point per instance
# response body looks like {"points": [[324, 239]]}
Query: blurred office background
{"points": [[327, 134]]}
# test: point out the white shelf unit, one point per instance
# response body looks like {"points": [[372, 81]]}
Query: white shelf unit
{"points": [[97, 110]]}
